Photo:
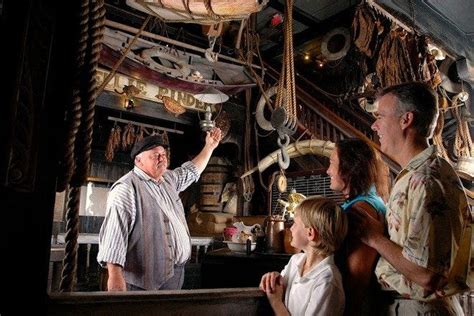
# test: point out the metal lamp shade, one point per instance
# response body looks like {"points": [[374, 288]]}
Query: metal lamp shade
{"points": [[212, 96]]}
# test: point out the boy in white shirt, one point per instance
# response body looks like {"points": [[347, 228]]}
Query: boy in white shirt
{"points": [[310, 282]]}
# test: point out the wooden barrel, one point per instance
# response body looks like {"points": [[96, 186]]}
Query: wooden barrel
{"points": [[213, 180]]}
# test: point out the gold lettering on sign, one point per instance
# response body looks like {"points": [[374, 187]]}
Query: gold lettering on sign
{"points": [[181, 97], [142, 86], [149, 91], [162, 91], [189, 100]]}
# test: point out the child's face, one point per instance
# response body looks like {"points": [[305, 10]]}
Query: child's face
{"points": [[299, 232]]}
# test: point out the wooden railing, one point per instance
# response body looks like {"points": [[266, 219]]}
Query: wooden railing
{"points": [[238, 301]]}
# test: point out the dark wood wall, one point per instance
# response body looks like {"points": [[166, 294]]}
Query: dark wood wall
{"points": [[35, 67]]}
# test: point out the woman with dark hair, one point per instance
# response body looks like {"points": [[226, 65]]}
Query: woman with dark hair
{"points": [[357, 171]]}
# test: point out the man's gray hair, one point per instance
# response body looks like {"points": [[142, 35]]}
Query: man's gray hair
{"points": [[421, 100]]}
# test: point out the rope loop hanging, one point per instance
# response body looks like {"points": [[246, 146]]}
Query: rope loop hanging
{"points": [[284, 117]]}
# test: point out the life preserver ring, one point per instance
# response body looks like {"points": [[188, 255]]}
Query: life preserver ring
{"points": [[335, 55], [446, 82], [179, 68], [366, 105]]}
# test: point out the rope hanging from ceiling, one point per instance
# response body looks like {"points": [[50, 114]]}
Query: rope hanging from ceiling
{"points": [[286, 96], [284, 118], [79, 119]]}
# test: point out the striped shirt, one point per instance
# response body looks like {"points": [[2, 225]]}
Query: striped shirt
{"points": [[122, 209]]}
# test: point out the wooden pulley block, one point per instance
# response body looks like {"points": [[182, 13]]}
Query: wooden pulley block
{"points": [[280, 121]]}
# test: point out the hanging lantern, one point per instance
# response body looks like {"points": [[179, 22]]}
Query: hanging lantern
{"points": [[210, 96], [207, 123]]}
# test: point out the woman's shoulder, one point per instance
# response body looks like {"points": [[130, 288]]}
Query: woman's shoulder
{"points": [[370, 199], [365, 208]]}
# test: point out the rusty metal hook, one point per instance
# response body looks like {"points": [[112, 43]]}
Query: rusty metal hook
{"points": [[283, 157]]}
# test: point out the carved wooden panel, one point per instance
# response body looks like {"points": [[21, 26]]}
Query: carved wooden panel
{"points": [[29, 102]]}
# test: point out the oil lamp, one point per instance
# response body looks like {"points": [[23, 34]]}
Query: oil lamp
{"points": [[210, 96]]}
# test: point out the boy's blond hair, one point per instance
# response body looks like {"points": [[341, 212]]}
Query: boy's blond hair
{"points": [[327, 218]]}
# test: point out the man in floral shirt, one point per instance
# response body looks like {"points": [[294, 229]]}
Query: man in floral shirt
{"points": [[426, 260]]}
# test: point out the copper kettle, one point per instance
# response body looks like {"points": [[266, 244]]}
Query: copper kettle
{"points": [[274, 230]]}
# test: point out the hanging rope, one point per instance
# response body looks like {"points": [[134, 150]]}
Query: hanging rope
{"points": [[73, 114], [286, 95], [284, 117], [89, 90], [188, 10], [68, 274], [248, 184], [73, 119], [80, 118], [210, 11]]}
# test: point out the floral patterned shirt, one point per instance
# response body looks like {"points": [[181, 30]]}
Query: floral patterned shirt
{"points": [[428, 216]]}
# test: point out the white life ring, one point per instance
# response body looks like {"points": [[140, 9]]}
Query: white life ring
{"points": [[183, 68], [367, 106], [329, 55], [446, 82]]}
